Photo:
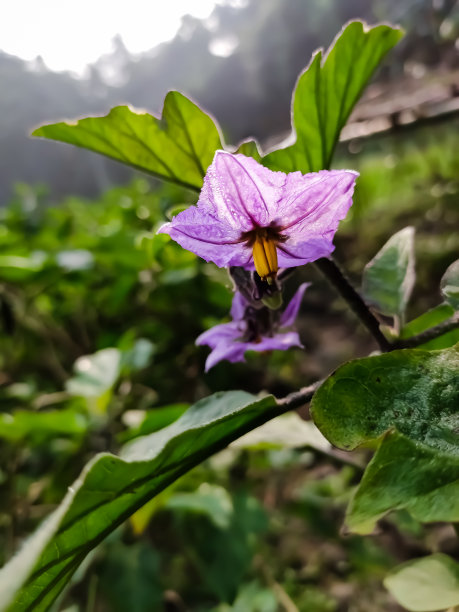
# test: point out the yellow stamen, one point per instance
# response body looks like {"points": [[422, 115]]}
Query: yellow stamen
{"points": [[265, 257]]}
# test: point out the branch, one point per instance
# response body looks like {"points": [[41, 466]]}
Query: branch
{"points": [[334, 274], [429, 334], [299, 398]]}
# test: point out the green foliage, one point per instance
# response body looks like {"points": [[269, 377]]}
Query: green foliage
{"points": [[425, 585], [428, 319], [450, 285], [129, 577], [36, 427], [95, 376], [417, 466], [178, 147], [327, 92], [211, 501], [112, 488], [415, 391], [222, 552], [388, 279], [431, 318], [406, 474]]}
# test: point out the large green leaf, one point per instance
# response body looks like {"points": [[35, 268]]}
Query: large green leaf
{"points": [[388, 278], [326, 93], [411, 396], [427, 584], [405, 474], [111, 488], [178, 147]]}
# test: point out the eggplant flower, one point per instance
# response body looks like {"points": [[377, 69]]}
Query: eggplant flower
{"points": [[250, 216], [252, 329]]}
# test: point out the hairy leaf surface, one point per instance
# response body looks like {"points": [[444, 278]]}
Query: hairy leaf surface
{"points": [[410, 397]]}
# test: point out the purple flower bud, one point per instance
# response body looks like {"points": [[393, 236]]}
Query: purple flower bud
{"points": [[252, 330]]}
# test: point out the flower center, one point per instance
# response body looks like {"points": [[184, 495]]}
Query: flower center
{"points": [[265, 257], [264, 241]]}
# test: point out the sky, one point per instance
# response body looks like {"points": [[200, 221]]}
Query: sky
{"points": [[70, 34]]}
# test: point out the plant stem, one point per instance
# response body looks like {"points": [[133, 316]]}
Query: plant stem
{"points": [[429, 334], [334, 274], [299, 398]]}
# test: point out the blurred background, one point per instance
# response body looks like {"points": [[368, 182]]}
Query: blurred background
{"points": [[98, 315]]}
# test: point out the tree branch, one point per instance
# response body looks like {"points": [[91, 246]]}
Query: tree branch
{"points": [[334, 274]]}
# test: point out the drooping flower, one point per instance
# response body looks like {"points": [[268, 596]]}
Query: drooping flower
{"points": [[250, 216], [252, 329]]}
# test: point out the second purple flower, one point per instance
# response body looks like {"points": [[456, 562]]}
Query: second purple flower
{"points": [[250, 216]]}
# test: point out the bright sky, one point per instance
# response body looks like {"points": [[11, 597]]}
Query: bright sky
{"points": [[69, 34]]}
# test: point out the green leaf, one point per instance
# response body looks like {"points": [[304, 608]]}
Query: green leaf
{"points": [[429, 319], [286, 431], [212, 501], [36, 426], [250, 148], [412, 397], [111, 488], [388, 278], [177, 148], [415, 391], [326, 93], [405, 474], [129, 577], [223, 556], [143, 422], [94, 378], [450, 285], [425, 585]]}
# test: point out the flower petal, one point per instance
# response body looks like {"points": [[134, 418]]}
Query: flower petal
{"points": [[278, 342], [226, 333], [238, 307], [241, 191], [290, 313], [315, 203], [290, 254], [208, 237], [228, 352]]}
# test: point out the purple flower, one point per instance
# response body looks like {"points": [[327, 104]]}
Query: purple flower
{"points": [[252, 329], [252, 217]]}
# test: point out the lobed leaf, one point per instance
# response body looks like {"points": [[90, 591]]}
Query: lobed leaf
{"points": [[177, 148], [388, 279], [111, 488], [411, 396], [425, 585], [327, 91]]}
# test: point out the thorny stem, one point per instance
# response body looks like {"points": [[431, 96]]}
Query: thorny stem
{"points": [[334, 274]]}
